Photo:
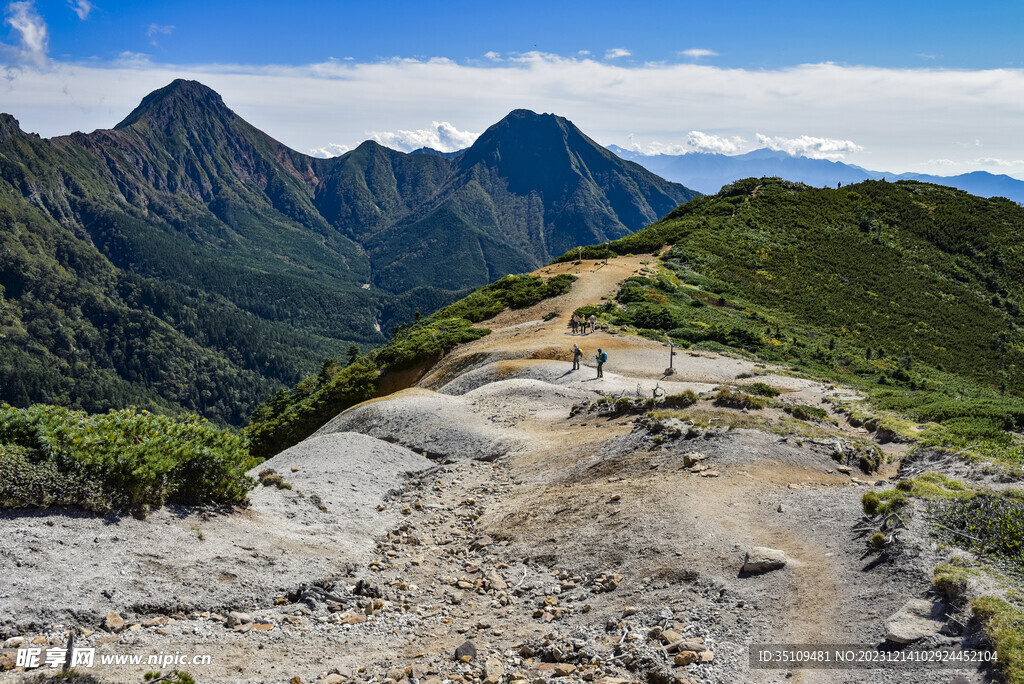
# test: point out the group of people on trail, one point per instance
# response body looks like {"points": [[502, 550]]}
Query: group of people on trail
{"points": [[580, 324], [601, 357]]}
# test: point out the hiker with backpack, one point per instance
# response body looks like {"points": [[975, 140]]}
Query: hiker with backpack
{"points": [[601, 358], [575, 322], [593, 322], [577, 354]]}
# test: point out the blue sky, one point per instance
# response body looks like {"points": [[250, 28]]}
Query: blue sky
{"points": [[759, 35], [911, 86]]}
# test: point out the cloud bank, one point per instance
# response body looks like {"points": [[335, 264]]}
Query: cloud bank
{"points": [[892, 119], [441, 136]]}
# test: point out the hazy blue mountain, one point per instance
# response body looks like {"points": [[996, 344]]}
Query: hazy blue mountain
{"points": [[708, 172]]}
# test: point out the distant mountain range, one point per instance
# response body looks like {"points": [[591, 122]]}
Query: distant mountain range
{"points": [[709, 172], [185, 259]]}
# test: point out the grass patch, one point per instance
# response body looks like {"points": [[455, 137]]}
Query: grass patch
{"points": [[929, 487], [1004, 627]]}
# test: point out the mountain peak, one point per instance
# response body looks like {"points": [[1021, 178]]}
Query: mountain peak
{"points": [[177, 100]]}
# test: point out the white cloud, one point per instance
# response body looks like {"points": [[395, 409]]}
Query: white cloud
{"points": [[493, 56], [34, 38], [154, 30], [900, 115], [810, 146], [82, 8], [615, 53], [990, 161], [329, 150], [442, 136], [697, 53], [704, 142]]}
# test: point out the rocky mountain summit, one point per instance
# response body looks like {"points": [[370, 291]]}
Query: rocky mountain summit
{"points": [[185, 260], [509, 519]]}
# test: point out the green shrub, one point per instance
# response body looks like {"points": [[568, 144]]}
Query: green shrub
{"points": [[805, 412], [730, 398], [121, 459], [762, 390], [678, 401]]}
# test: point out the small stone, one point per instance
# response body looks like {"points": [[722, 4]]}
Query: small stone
{"points": [[396, 674], [39, 640], [670, 636], [763, 559], [353, 619], [564, 669], [707, 657], [14, 642], [263, 626], [235, 618], [630, 610], [686, 658], [466, 650], [113, 622], [159, 621], [86, 632], [710, 473], [333, 679], [692, 458], [845, 470], [495, 582], [493, 671]]}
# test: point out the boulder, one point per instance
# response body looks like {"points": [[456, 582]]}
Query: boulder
{"points": [[916, 620], [763, 559], [113, 623], [466, 650]]}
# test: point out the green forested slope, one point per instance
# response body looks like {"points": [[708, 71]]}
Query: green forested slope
{"points": [[186, 260]]}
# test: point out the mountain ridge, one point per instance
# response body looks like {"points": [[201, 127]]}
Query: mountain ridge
{"points": [[708, 172], [229, 250]]}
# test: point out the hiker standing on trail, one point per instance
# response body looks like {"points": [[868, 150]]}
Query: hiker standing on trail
{"points": [[593, 322], [575, 323], [601, 358], [577, 354]]}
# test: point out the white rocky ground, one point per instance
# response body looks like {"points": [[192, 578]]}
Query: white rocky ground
{"points": [[474, 508]]}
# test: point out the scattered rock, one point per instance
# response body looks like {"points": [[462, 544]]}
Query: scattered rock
{"points": [[916, 620], [692, 458], [466, 650], [493, 671], [113, 623], [235, 618], [686, 658], [763, 559]]}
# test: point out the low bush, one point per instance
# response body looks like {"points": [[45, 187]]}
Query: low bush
{"points": [[805, 412], [118, 460], [730, 398], [762, 390], [678, 401]]}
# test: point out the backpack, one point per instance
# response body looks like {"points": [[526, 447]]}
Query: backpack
{"points": [[603, 357]]}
